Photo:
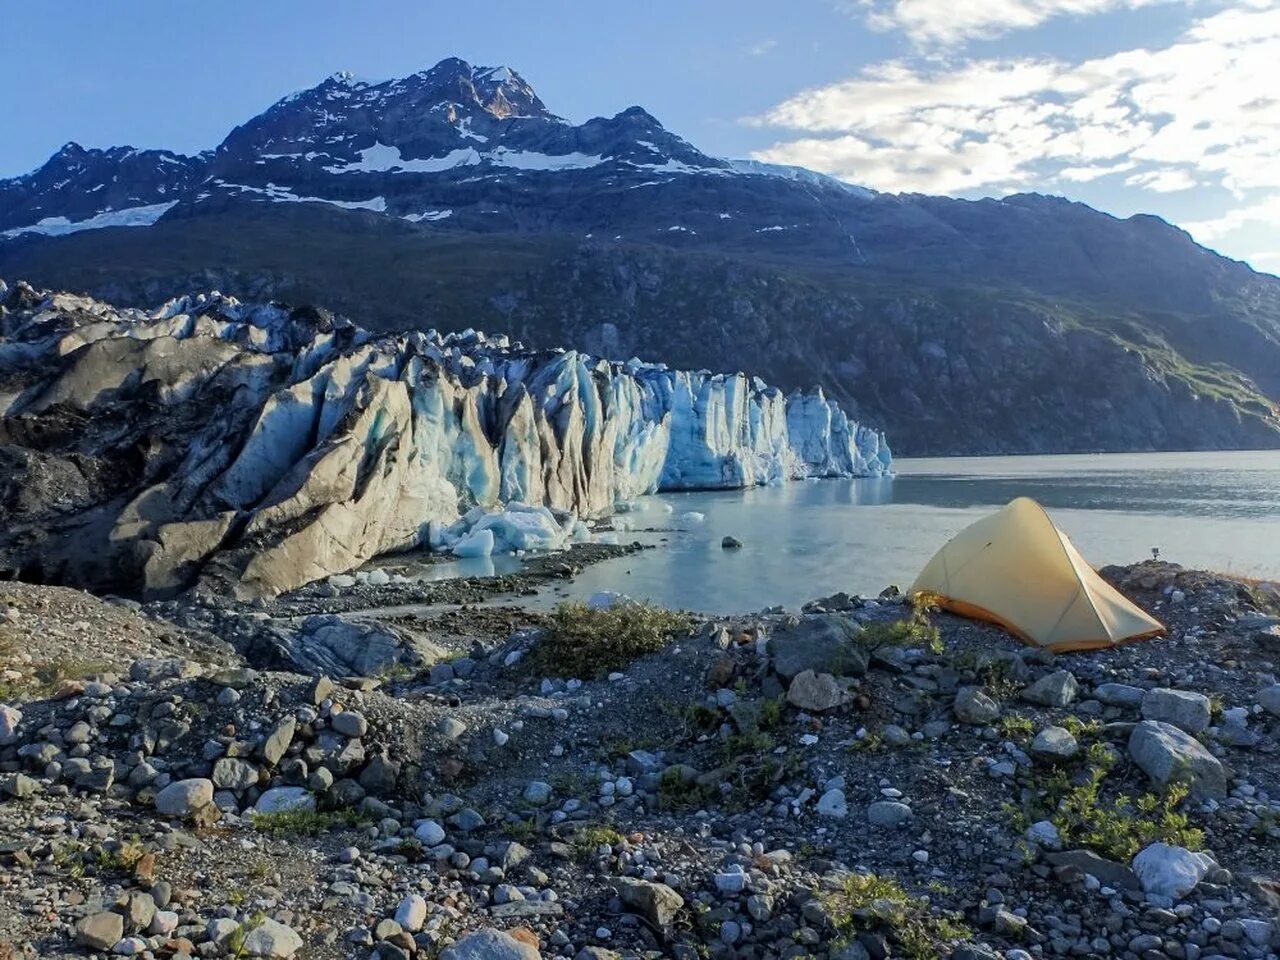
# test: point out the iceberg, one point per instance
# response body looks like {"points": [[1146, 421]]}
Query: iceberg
{"points": [[291, 445]]}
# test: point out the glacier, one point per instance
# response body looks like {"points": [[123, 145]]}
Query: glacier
{"points": [[283, 446]]}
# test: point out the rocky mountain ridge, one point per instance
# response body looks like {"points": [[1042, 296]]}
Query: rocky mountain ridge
{"points": [[454, 198]]}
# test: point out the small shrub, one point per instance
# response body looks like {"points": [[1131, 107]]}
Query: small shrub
{"points": [[583, 641], [76, 857], [865, 899], [1014, 727], [678, 792], [1082, 730], [305, 822], [260, 870], [915, 630], [998, 681], [1118, 827], [589, 839], [871, 743], [699, 718], [771, 713]]}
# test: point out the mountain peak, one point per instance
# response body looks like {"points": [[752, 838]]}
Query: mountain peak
{"points": [[498, 91]]}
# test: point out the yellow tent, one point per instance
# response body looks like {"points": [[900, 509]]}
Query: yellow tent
{"points": [[1016, 569]]}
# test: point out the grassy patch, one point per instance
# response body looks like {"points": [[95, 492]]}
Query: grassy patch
{"points": [[306, 822], [589, 839], [582, 641], [1014, 727], [44, 679], [78, 858], [866, 899], [915, 630], [1116, 827], [678, 791]]}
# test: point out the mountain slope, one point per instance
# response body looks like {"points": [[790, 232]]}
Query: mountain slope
{"points": [[454, 198]]}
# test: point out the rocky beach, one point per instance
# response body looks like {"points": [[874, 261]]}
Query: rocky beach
{"points": [[860, 779]]}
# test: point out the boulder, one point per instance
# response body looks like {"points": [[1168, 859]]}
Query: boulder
{"points": [[490, 944], [815, 692], [185, 798], [973, 706], [1186, 710], [1054, 744], [271, 939], [349, 723], [1167, 754], [1110, 872], [656, 902], [537, 792], [411, 914], [17, 785], [10, 717], [1118, 694], [100, 931], [281, 799], [430, 833], [1169, 871], [155, 669], [833, 804], [889, 813], [1058, 689], [231, 773], [1044, 834], [1268, 699], [276, 743], [329, 645], [822, 644]]}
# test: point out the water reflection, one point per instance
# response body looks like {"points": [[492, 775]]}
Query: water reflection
{"points": [[804, 540]]}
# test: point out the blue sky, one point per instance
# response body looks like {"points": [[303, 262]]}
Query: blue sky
{"points": [[1162, 106]]}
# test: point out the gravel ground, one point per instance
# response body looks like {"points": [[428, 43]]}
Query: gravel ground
{"points": [[758, 787]]}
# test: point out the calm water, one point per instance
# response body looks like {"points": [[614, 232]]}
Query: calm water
{"points": [[805, 540]]}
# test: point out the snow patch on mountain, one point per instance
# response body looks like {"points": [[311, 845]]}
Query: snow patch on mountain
{"points": [[381, 158], [759, 168], [143, 216], [278, 194], [428, 215]]}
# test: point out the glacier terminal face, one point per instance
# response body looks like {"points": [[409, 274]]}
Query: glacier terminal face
{"points": [[255, 448]]}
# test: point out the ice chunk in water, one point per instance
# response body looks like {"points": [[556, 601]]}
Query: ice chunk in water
{"points": [[478, 543]]}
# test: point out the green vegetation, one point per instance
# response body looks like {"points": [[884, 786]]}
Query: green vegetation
{"points": [[591, 838], [915, 630], [1116, 827], [1015, 727], [865, 899], [78, 857], [582, 641], [681, 789], [235, 943], [873, 742], [306, 822], [42, 679]]}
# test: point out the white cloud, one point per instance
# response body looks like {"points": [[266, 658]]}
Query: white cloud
{"points": [[1163, 181], [1265, 211], [1268, 260], [953, 21], [1200, 110], [761, 48]]}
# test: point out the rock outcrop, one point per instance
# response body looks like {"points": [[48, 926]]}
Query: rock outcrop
{"points": [[254, 448]]}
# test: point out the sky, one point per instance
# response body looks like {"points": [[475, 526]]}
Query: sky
{"points": [[1169, 107]]}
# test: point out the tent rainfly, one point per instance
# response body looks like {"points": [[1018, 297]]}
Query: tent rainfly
{"points": [[1015, 568]]}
